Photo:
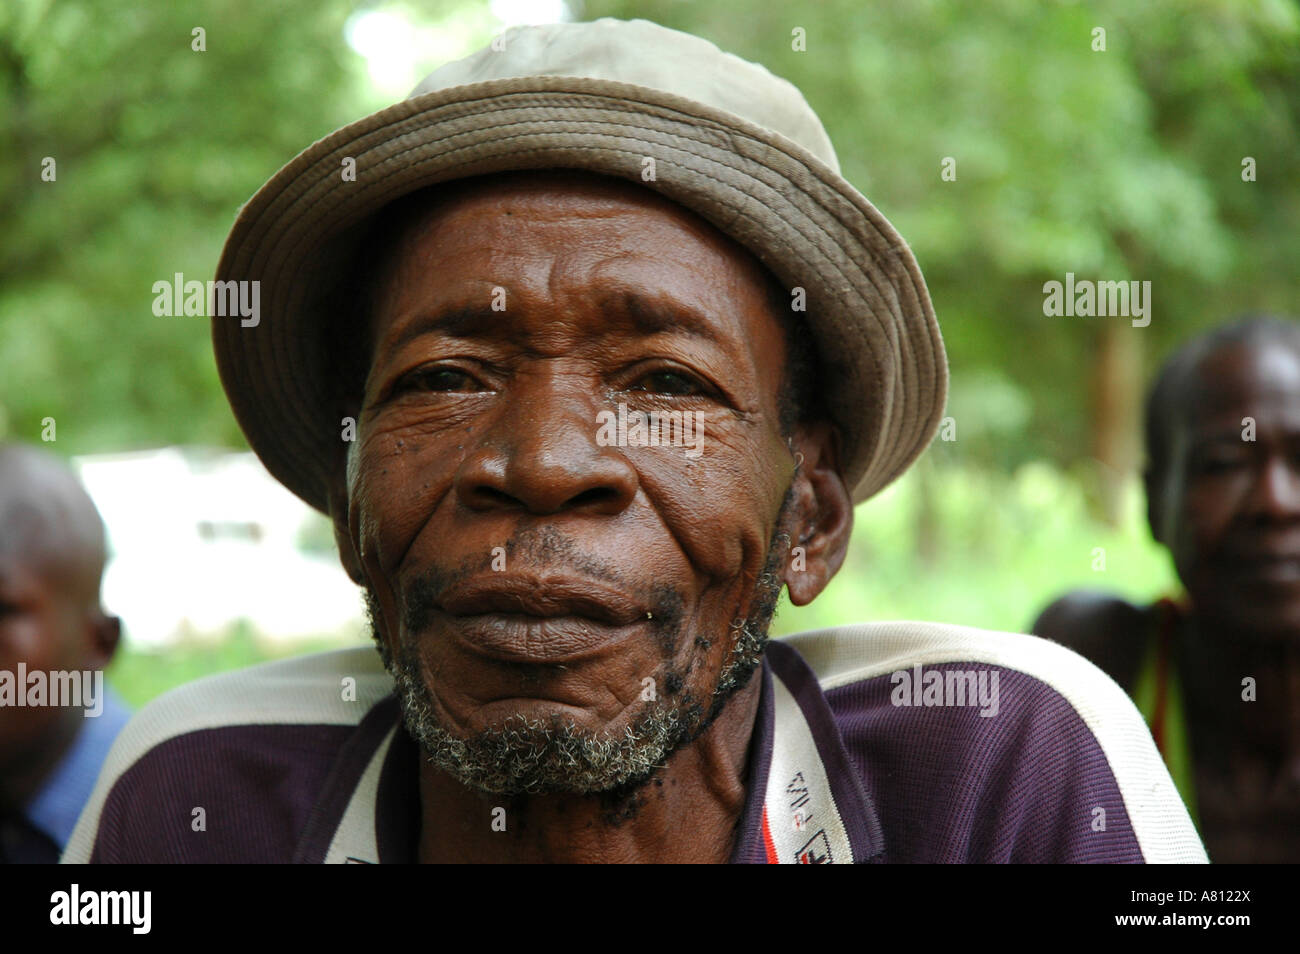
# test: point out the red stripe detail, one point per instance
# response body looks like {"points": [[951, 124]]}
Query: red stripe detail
{"points": [[767, 840]]}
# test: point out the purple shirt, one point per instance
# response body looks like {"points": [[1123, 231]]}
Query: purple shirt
{"points": [[880, 742]]}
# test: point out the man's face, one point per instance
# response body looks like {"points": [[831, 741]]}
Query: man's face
{"points": [[1232, 518], [559, 611], [39, 627]]}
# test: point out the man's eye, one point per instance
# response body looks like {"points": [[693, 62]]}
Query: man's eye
{"points": [[669, 382], [1219, 464], [437, 379]]}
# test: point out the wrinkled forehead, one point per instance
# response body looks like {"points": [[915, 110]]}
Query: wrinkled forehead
{"points": [[500, 208], [1258, 379], [622, 246]]}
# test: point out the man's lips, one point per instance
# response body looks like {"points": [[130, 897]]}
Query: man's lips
{"points": [[547, 597], [1275, 566], [530, 620]]}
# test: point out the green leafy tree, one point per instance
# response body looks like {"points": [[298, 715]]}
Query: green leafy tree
{"points": [[155, 145]]}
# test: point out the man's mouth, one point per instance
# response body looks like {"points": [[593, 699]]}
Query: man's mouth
{"points": [[1271, 567], [540, 620]]}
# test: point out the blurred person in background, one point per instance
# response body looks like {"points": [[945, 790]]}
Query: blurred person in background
{"points": [[1216, 669], [52, 555]]}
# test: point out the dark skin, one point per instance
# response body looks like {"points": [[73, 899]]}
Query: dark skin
{"points": [[1228, 509], [51, 560], [473, 430]]}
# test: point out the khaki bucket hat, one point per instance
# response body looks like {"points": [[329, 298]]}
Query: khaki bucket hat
{"points": [[731, 142]]}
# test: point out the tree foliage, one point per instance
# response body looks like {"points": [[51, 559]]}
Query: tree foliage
{"points": [[1117, 164], [155, 145]]}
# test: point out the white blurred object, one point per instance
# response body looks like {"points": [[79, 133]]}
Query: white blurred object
{"points": [[401, 44], [200, 539]]}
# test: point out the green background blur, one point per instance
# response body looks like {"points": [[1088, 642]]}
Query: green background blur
{"points": [[1115, 164]]}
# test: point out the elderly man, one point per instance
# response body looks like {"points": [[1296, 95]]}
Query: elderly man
{"points": [[616, 352], [1217, 671], [56, 719]]}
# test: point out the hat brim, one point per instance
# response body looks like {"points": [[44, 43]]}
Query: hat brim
{"points": [[884, 369]]}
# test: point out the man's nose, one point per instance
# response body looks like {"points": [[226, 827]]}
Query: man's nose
{"points": [[1276, 490], [541, 454]]}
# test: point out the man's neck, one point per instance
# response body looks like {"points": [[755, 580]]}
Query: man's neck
{"points": [[22, 777], [687, 812], [1262, 714]]}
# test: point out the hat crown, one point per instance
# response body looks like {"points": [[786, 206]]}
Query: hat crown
{"points": [[642, 53]]}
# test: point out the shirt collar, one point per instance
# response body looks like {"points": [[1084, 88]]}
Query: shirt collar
{"points": [[806, 802]]}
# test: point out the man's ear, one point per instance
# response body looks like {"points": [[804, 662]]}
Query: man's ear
{"points": [[338, 504], [105, 634], [822, 518]]}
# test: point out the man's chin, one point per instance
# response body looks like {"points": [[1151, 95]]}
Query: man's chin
{"points": [[538, 754], [1261, 615], [526, 755]]}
